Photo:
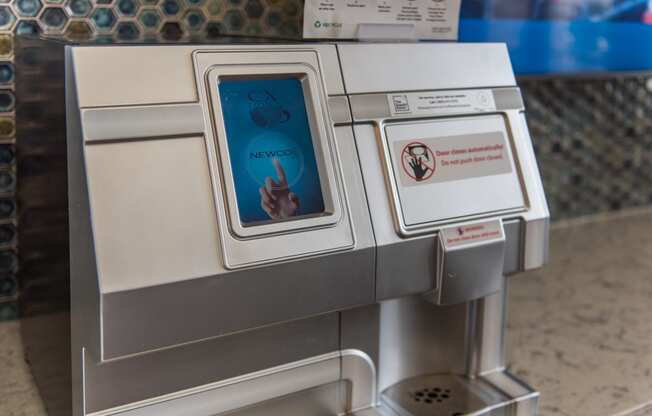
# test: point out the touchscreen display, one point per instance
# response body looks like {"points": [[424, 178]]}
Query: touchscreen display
{"points": [[271, 149]]}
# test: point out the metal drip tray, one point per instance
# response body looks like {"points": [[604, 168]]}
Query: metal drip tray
{"points": [[498, 394]]}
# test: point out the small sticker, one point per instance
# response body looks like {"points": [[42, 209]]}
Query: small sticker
{"points": [[473, 233], [400, 103], [441, 102]]}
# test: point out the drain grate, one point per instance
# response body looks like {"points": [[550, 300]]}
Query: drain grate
{"points": [[431, 395]]}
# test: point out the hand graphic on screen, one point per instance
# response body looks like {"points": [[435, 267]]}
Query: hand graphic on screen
{"points": [[275, 197], [419, 169]]}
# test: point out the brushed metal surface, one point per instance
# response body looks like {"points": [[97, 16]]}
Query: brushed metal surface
{"points": [[162, 74], [152, 224], [157, 75], [339, 109], [141, 320], [381, 67], [418, 338], [469, 271], [366, 107], [85, 304], [326, 400], [142, 377], [508, 99], [140, 122], [232, 394]]}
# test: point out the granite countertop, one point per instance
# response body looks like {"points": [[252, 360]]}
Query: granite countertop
{"points": [[580, 330]]}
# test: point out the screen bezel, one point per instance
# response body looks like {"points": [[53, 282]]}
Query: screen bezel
{"points": [[314, 100]]}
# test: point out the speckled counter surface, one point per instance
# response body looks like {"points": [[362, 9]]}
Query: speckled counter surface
{"points": [[18, 395], [580, 330]]}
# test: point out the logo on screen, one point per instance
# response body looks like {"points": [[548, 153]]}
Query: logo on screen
{"points": [[265, 111], [266, 147]]}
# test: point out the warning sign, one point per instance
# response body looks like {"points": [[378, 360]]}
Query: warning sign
{"points": [[418, 161], [442, 159], [473, 233]]}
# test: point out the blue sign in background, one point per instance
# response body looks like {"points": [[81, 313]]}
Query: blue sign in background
{"points": [[266, 119], [573, 36]]}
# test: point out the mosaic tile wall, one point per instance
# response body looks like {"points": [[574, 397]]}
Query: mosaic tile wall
{"points": [[593, 137]]}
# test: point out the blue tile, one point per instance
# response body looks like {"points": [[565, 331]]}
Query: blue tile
{"points": [[103, 18], [171, 7], [194, 20], [127, 31], [28, 8], [6, 73], [80, 7], [128, 7], [54, 17], [28, 27], [7, 182], [150, 19], [7, 18]]}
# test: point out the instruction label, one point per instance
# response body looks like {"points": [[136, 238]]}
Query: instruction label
{"points": [[441, 102], [472, 233], [443, 159], [344, 19]]}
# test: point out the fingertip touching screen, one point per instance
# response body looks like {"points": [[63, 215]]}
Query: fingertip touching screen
{"points": [[271, 149]]}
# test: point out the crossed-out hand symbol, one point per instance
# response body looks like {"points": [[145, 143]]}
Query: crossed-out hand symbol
{"points": [[276, 199], [419, 169]]}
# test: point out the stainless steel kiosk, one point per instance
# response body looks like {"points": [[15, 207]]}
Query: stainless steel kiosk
{"points": [[307, 229]]}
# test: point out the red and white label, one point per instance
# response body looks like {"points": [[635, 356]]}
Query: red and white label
{"points": [[473, 233], [442, 159]]}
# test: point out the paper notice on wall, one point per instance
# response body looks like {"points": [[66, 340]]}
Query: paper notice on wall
{"points": [[381, 19]]}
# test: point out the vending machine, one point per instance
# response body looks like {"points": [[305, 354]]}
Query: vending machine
{"points": [[286, 229]]}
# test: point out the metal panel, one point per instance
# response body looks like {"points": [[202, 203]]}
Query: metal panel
{"points": [[162, 75], [153, 224], [121, 123], [163, 372], [513, 246], [326, 400], [418, 338], [508, 99], [229, 395], [368, 68], [339, 109], [376, 106], [156, 75], [419, 205], [163, 316]]}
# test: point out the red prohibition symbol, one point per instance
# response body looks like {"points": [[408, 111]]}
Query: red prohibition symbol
{"points": [[418, 161]]}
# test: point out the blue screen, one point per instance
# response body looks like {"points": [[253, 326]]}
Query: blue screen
{"points": [[271, 149], [564, 36]]}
